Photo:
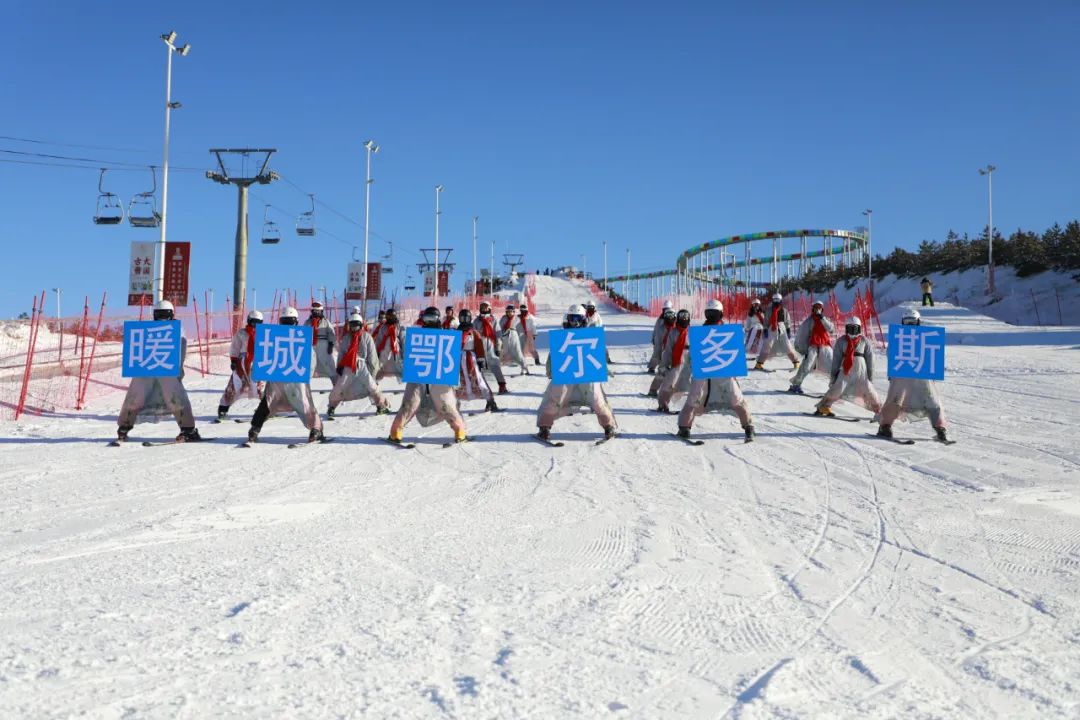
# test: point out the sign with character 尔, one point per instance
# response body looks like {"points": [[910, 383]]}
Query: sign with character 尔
{"points": [[282, 353], [916, 351], [432, 357], [152, 348], [717, 351], [578, 356]]}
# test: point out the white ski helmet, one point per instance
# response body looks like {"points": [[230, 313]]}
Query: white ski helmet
{"points": [[911, 316], [290, 312], [755, 301], [853, 326], [575, 310], [164, 305], [714, 304], [163, 310], [668, 305], [777, 297], [356, 317], [255, 315]]}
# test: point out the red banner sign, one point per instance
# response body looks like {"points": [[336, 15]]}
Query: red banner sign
{"points": [[177, 272], [374, 281]]}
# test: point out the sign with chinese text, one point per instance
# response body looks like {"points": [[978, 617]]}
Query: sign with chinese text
{"points": [[141, 273], [444, 282], [578, 356], [177, 271], [916, 351], [354, 288], [282, 353], [151, 348], [432, 357], [717, 351], [374, 281]]}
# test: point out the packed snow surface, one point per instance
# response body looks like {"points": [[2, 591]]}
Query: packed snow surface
{"points": [[816, 572]]}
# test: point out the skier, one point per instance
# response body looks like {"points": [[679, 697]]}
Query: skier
{"points": [[510, 341], [241, 355], [715, 394], [927, 288], [776, 333], [674, 363], [667, 342], [753, 327], [380, 320], [912, 397], [358, 364], [472, 385], [814, 341], [390, 341], [449, 321], [159, 395], [279, 397], [852, 372], [323, 338], [428, 403], [562, 400], [526, 329], [661, 328], [492, 346], [593, 319]]}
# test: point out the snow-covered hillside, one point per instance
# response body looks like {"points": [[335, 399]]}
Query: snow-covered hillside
{"points": [[816, 572]]}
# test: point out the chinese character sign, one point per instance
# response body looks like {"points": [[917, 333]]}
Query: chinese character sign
{"points": [[578, 356], [432, 357], [282, 353], [141, 273], [916, 351], [151, 348], [354, 288], [374, 281], [177, 268], [717, 351]]}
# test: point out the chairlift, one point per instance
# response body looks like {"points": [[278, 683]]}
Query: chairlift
{"points": [[305, 224], [271, 235], [143, 212], [410, 283], [109, 210]]}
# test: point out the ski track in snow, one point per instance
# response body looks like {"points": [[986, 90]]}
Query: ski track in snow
{"points": [[814, 572]]}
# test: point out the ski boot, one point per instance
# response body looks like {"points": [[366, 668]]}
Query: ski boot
{"points": [[684, 433], [824, 412], [491, 406], [544, 434], [188, 435], [122, 433], [502, 389], [253, 435], [794, 364], [315, 436], [330, 412], [759, 365], [662, 408], [384, 410], [460, 436], [941, 436], [796, 390], [538, 363], [885, 431], [750, 434], [395, 435], [222, 413], [609, 432], [651, 394]]}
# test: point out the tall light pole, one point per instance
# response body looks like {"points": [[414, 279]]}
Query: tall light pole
{"points": [[988, 171], [371, 148], [627, 288], [869, 239], [475, 277], [605, 266], [438, 212], [58, 292], [159, 276]]}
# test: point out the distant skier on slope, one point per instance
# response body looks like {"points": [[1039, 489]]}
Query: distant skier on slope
{"points": [[390, 344], [473, 385], [526, 329], [241, 355], [323, 338], [754, 327], [281, 397], [661, 328], [814, 342], [485, 325], [449, 320], [777, 334], [672, 357], [562, 400], [357, 366], [722, 395], [852, 372], [428, 403], [511, 341], [912, 398], [159, 395]]}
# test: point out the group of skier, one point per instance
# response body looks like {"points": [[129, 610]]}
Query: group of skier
{"points": [[366, 355]]}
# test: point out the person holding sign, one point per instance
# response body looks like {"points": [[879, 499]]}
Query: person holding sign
{"points": [[511, 341], [389, 341], [323, 338], [852, 372], [777, 335], [472, 385], [154, 354], [673, 372], [357, 366], [716, 354], [814, 342], [428, 357], [913, 397], [576, 366], [241, 355], [279, 358]]}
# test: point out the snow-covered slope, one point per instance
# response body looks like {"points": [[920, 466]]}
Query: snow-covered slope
{"points": [[816, 572]]}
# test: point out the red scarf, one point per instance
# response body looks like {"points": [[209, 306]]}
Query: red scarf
{"points": [[391, 335], [314, 323], [680, 345], [849, 352], [775, 315], [819, 336], [478, 346], [349, 357], [446, 323], [489, 327], [250, 349], [524, 326]]}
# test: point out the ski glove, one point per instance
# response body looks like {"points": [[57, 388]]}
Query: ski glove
{"points": [[234, 364]]}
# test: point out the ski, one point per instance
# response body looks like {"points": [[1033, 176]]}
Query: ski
{"points": [[604, 439], [763, 370], [116, 443], [944, 442], [294, 446], [549, 443], [457, 442], [151, 443], [647, 395], [688, 441], [399, 444], [835, 417], [898, 441], [485, 412], [658, 411]]}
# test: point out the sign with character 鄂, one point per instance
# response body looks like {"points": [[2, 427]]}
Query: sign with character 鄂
{"points": [[282, 353], [916, 351], [717, 351], [432, 357], [578, 356], [152, 348]]}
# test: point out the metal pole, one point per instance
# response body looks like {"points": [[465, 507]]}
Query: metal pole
{"points": [[475, 277], [240, 264], [371, 147], [438, 212], [990, 232], [159, 275], [605, 264]]}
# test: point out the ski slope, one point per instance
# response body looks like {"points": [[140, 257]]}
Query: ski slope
{"points": [[815, 572]]}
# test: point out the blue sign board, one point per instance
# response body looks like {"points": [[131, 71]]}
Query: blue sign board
{"points": [[152, 348], [916, 351], [717, 351], [578, 356], [432, 357], [282, 353]]}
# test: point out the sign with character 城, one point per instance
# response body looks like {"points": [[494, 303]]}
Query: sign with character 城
{"points": [[282, 353]]}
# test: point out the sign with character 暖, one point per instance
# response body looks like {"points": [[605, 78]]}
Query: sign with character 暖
{"points": [[282, 353], [152, 348], [578, 356], [432, 357]]}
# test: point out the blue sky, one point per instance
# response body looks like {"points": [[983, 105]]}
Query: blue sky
{"points": [[654, 126]]}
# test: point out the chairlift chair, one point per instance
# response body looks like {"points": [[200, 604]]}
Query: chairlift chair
{"points": [[109, 210], [271, 235], [410, 283], [143, 212], [305, 224]]}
